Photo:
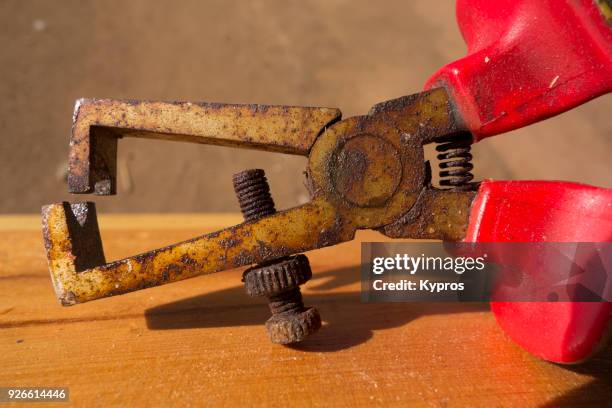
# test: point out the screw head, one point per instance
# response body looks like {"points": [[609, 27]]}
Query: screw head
{"points": [[293, 328]]}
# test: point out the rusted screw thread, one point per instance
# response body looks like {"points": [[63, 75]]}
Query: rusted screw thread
{"points": [[286, 302], [278, 280], [253, 192]]}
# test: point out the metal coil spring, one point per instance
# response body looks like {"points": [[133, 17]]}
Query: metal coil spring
{"points": [[455, 161]]}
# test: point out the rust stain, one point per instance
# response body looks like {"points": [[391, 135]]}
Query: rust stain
{"points": [[99, 123], [437, 214], [363, 172], [260, 241]]}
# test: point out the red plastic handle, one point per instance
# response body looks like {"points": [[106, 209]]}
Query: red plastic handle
{"points": [[546, 211], [527, 60]]}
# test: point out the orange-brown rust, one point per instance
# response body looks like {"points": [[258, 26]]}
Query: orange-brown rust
{"points": [[98, 123], [437, 214], [423, 116], [310, 226], [363, 172]]}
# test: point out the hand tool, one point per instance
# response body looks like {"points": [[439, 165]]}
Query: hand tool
{"points": [[527, 60]]}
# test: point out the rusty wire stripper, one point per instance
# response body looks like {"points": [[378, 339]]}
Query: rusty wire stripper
{"points": [[370, 172], [363, 172]]}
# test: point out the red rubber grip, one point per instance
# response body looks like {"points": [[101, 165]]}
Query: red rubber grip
{"points": [[527, 60], [546, 211]]}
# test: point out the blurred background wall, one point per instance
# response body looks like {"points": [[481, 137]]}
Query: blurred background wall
{"points": [[338, 53]]}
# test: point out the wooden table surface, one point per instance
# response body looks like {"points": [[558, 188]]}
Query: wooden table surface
{"points": [[202, 341]]}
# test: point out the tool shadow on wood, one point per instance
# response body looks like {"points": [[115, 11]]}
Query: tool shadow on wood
{"points": [[348, 322], [600, 368]]}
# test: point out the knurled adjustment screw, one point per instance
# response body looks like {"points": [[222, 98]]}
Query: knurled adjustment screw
{"points": [[279, 280]]}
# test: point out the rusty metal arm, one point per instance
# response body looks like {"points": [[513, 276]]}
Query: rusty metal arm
{"points": [[80, 273], [423, 116], [436, 214], [364, 172], [99, 123]]}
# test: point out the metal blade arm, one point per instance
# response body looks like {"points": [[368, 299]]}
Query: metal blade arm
{"points": [[73, 243], [98, 123]]}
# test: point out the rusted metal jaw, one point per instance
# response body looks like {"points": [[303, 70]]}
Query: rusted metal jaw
{"points": [[363, 172]]}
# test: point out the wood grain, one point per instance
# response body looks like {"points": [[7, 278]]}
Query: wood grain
{"points": [[202, 342]]}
